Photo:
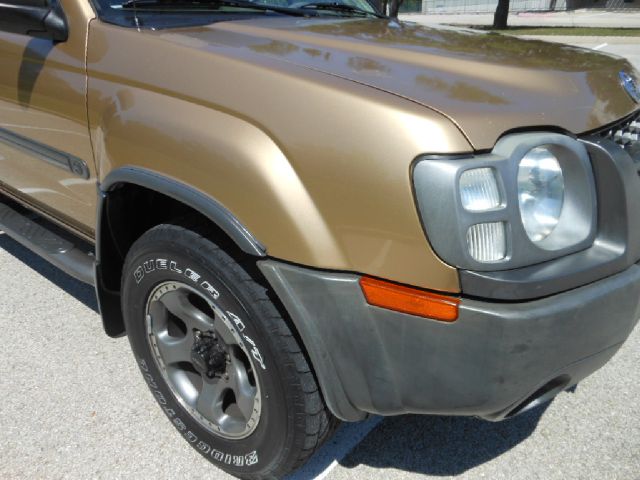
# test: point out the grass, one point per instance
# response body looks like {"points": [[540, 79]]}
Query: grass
{"points": [[568, 31]]}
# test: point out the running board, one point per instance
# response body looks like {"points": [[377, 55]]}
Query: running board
{"points": [[57, 250]]}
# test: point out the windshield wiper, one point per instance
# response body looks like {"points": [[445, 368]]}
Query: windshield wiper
{"points": [[160, 5], [339, 7]]}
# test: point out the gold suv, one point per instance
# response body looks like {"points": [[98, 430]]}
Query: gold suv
{"points": [[302, 211]]}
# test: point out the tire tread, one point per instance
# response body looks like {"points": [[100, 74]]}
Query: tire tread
{"points": [[313, 419]]}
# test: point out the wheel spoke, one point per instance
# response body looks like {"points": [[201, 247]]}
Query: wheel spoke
{"points": [[209, 402], [245, 393], [159, 317], [174, 350], [177, 302], [200, 349], [231, 424]]}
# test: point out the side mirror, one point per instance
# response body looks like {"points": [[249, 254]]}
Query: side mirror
{"points": [[36, 18]]}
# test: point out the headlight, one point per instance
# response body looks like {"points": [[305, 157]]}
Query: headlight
{"points": [[540, 193], [530, 200]]}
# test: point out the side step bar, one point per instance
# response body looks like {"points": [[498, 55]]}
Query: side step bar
{"points": [[57, 250]]}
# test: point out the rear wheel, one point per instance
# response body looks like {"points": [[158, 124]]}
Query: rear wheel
{"points": [[218, 356]]}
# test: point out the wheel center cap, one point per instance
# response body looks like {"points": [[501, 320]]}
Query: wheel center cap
{"points": [[208, 356]]}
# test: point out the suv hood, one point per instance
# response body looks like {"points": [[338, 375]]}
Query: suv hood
{"points": [[485, 83]]}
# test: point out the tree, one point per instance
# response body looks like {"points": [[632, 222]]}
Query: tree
{"points": [[394, 7], [501, 15]]}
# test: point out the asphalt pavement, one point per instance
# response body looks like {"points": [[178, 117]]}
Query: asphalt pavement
{"points": [[74, 406]]}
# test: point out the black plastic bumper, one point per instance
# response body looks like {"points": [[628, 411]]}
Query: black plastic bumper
{"points": [[495, 359]]}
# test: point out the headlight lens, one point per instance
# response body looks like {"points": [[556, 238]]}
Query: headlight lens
{"points": [[540, 192]]}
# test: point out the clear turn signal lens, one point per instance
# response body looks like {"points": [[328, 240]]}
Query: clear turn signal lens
{"points": [[479, 190], [487, 242]]}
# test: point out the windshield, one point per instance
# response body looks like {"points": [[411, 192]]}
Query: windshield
{"points": [[171, 13]]}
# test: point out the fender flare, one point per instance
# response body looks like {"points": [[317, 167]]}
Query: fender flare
{"points": [[207, 206], [109, 298]]}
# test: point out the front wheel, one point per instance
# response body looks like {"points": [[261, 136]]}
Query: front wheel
{"points": [[218, 356]]}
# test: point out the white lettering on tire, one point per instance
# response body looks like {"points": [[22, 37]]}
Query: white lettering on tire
{"points": [[209, 288], [248, 459], [239, 323]]}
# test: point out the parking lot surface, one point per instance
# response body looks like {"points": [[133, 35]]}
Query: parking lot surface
{"points": [[74, 406]]}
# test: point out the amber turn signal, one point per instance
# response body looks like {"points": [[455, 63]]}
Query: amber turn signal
{"points": [[409, 300]]}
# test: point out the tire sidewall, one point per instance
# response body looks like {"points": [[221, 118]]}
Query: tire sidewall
{"points": [[153, 264]]}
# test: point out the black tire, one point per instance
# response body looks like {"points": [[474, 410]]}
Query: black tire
{"points": [[293, 420]]}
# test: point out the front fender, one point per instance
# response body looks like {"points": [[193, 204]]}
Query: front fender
{"points": [[223, 157], [316, 167]]}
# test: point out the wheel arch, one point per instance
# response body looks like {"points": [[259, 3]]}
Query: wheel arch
{"points": [[134, 199], [128, 198]]}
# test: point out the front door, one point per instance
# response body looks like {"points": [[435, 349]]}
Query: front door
{"points": [[45, 150]]}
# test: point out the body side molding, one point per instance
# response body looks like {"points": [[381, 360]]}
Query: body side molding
{"points": [[47, 154]]}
